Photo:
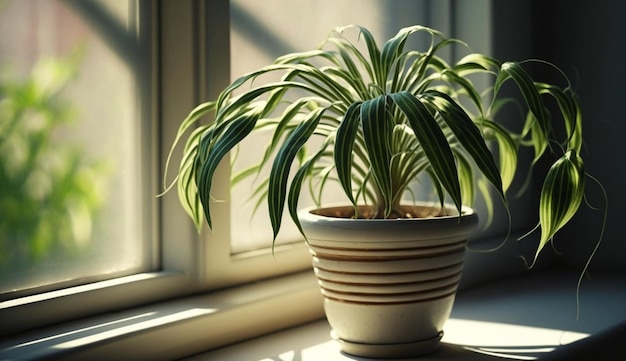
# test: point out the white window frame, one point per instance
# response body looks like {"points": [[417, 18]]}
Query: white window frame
{"points": [[46, 308], [188, 262], [193, 72]]}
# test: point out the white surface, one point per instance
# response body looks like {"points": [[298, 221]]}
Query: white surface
{"points": [[464, 340], [523, 318]]}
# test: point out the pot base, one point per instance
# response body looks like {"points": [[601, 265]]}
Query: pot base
{"points": [[400, 350]]}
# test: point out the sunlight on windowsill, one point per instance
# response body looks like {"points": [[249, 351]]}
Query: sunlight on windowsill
{"points": [[524, 318], [101, 332], [463, 339], [507, 340]]}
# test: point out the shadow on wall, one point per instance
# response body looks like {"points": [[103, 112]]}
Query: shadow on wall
{"points": [[590, 39]]}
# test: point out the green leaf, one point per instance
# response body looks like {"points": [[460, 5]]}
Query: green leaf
{"points": [[561, 196], [408, 160], [279, 174], [374, 57], [187, 123], [433, 142], [346, 49], [296, 186], [377, 132], [286, 122], [344, 144], [466, 178], [570, 111], [537, 136], [529, 92], [468, 134], [466, 85], [394, 48], [475, 62], [187, 190], [507, 152], [214, 150]]}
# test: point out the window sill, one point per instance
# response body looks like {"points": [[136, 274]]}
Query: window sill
{"points": [[527, 317], [175, 329], [521, 317]]}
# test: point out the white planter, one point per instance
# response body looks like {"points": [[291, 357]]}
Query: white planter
{"points": [[388, 285]]}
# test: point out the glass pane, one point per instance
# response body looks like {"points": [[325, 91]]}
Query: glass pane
{"points": [[264, 30], [73, 124]]}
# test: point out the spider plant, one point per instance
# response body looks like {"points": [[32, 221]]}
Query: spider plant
{"points": [[384, 117]]}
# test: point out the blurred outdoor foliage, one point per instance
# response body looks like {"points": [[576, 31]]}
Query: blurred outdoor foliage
{"points": [[49, 193]]}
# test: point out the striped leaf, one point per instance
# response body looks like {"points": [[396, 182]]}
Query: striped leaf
{"points": [[529, 92], [344, 144], [279, 174], [507, 152], [433, 142], [569, 106], [561, 196], [377, 128], [296, 186], [374, 57], [237, 130], [468, 134], [385, 117]]}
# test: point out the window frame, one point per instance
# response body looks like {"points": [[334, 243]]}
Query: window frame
{"points": [[186, 36], [188, 262], [205, 75]]}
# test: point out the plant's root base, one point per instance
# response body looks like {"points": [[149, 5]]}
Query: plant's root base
{"points": [[369, 212]]}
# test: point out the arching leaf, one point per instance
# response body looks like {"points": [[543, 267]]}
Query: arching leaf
{"points": [[433, 142], [238, 129], [279, 174], [561, 196], [344, 143]]}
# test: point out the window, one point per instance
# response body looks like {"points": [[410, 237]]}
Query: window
{"points": [[259, 34], [152, 63], [75, 111], [77, 198]]}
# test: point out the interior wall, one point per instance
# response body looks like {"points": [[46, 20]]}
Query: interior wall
{"points": [[587, 39], [511, 40]]}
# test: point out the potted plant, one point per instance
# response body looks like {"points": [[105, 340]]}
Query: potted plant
{"points": [[377, 120]]}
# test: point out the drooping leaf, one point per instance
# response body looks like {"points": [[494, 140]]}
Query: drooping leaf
{"points": [[529, 92], [561, 195], [433, 142], [507, 154], [296, 186], [466, 178], [344, 144], [286, 122], [569, 107], [279, 174], [468, 134], [475, 62], [190, 121], [238, 129]]}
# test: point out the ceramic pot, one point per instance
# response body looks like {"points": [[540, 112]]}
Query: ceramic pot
{"points": [[388, 285]]}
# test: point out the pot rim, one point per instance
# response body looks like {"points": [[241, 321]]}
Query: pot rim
{"points": [[308, 213], [326, 230]]}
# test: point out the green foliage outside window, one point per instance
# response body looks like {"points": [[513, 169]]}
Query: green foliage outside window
{"points": [[49, 193]]}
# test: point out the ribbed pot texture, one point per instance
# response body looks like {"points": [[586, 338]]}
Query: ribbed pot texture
{"points": [[388, 285]]}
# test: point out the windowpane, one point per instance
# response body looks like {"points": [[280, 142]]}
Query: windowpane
{"points": [[74, 134], [260, 33]]}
